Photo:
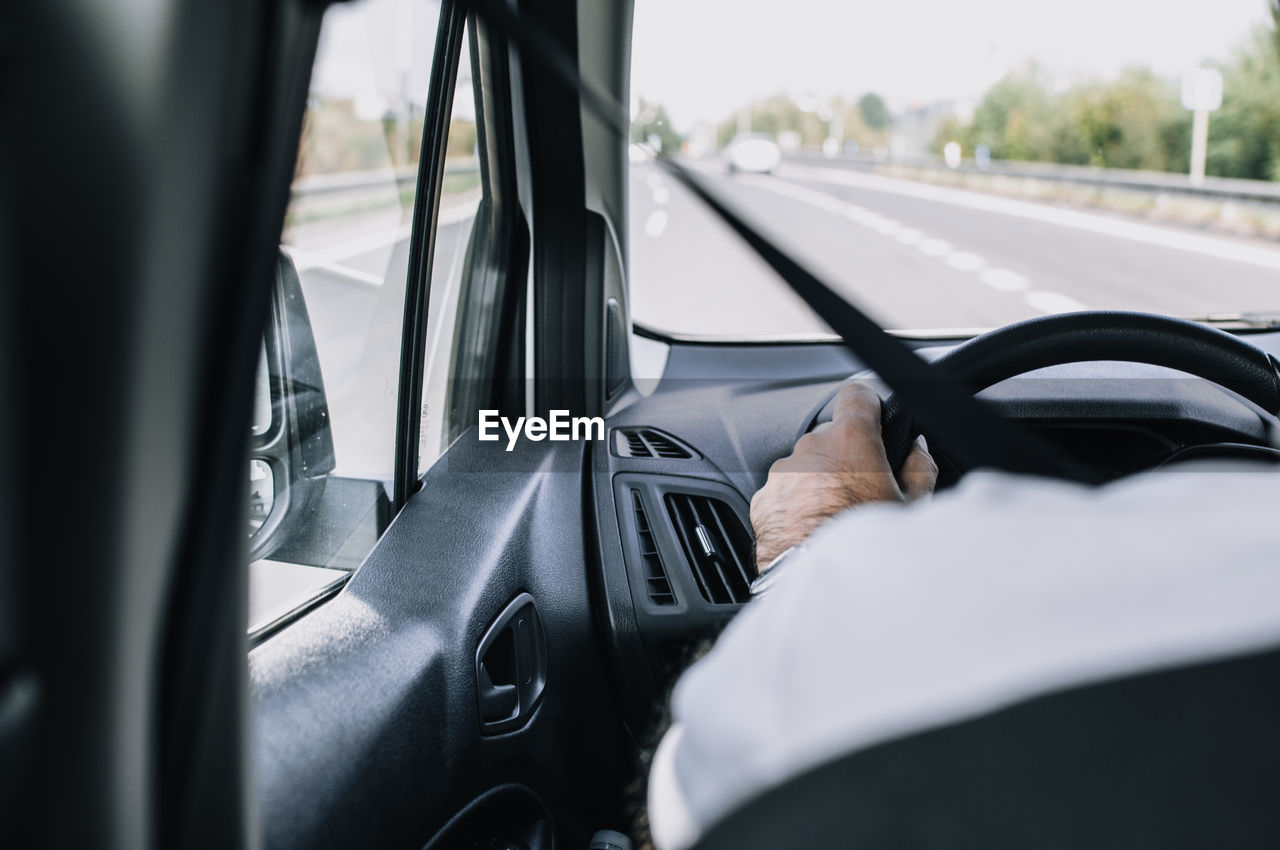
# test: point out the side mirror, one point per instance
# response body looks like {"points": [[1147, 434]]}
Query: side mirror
{"points": [[292, 445]]}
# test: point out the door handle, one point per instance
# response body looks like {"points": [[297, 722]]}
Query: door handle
{"points": [[497, 702], [511, 667]]}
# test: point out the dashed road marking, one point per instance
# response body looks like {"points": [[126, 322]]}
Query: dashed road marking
{"points": [[655, 223], [661, 195], [934, 247], [965, 261], [1177, 240], [1004, 279]]}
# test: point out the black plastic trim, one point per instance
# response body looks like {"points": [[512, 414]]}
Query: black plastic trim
{"points": [[426, 206]]}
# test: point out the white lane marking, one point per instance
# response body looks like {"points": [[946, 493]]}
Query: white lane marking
{"points": [[1053, 302], [653, 181], [1004, 279], [997, 278], [661, 195], [965, 261], [655, 223], [934, 247], [1149, 234]]}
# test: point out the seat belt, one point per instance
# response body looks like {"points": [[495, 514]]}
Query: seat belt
{"points": [[972, 434]]}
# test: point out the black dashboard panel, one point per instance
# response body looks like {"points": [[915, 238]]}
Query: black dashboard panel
{"points": [[741, 407]]}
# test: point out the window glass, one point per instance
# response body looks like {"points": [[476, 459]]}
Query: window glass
{"points": [[957, 166], [320, 487], [347, 228]]}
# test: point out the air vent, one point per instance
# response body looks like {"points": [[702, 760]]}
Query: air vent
{"points": [[655, 576], [646, 442], [717, 545]]}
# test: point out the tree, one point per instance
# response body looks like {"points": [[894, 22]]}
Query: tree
{"points": [[1136, 120], [1244, 135], [1016, 118], [875, 115], [651, 120], [1124, 124]]}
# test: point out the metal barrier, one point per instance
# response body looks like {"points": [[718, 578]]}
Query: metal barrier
{"points": [[1223, 188], [358, 181]]}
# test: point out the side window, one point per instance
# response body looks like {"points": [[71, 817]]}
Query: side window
{"points": [[321, 466]]}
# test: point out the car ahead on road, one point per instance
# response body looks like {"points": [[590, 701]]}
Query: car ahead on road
{"points": [[362, 275], [753, 153]]}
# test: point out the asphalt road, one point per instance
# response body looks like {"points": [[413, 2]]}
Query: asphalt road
{"points": [[913, 255], [353, 278], [919, 257]]}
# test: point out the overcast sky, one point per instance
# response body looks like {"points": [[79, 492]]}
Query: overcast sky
{"points": [[703, 58]]}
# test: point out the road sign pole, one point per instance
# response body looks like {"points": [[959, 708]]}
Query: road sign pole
{"points": [[1199, 145], [1202, 94]]}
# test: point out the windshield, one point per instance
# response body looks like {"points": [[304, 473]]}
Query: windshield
{"points": [[957, 166]]}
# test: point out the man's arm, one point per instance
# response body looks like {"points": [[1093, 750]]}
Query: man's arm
{"points": [[838, 465]]}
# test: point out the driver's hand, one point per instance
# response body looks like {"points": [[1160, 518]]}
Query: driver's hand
{"points": [[835, 466]]}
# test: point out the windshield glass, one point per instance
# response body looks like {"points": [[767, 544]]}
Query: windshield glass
{"points": [[957, 166]]}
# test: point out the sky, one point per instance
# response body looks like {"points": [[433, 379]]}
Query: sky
{"points": [[701, 59]]}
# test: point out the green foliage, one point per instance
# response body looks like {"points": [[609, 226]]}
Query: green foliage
{"points": [[1017, 119], [1134, 121], [651, 120], [1244, 135], [874, 113], [335, 139], [780, 113]]}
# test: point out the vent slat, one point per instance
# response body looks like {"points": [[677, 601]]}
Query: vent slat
{"points": [[723, 587], [655, 574], [648, 443], [739, 561], [680, 519], [721, 575]]}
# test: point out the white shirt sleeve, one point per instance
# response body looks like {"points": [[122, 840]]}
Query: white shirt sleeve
{"points": [[897, 620]]}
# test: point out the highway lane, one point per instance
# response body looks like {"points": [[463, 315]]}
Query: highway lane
{"points": [[914, 256], [919, 257], [353, 279]]}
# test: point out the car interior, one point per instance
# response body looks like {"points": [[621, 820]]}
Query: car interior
{"points": [[488, 632]]}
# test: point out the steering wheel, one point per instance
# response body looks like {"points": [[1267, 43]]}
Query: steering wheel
{"points": [[1014, 349]]}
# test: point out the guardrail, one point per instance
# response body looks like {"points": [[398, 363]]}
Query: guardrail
{"points": [[1253, 191], [356, 181]]}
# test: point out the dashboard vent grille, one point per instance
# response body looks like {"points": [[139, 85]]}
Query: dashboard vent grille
{"points": [[717, 545], [655, 576], [646, 442]]}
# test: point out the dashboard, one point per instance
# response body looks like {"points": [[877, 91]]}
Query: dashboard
{"points": [[672, 488]]}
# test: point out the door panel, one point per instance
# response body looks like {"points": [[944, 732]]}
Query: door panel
{"points": [[367, 722]]}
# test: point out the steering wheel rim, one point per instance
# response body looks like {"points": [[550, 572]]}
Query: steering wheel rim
{"points": [[1093, 335]]}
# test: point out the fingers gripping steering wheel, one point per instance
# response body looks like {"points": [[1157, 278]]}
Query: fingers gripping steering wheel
{"points": [[1093, 335]]}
